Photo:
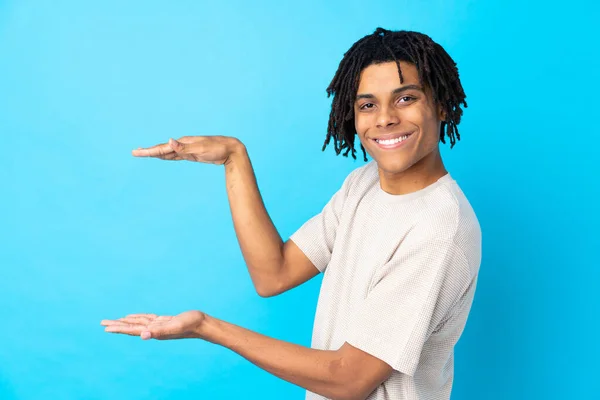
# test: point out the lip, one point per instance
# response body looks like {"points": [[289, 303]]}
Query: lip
{"points": [[392, 136]]}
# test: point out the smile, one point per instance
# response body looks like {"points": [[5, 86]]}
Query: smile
{"points": [[392, 143]]}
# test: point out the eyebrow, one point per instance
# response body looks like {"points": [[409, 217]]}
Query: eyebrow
{"points": [[395, 91]]}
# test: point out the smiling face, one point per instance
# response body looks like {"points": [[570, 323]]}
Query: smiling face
{"points": [[397, 123]]}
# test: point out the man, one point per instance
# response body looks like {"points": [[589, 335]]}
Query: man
{"points": [[399, 244]]}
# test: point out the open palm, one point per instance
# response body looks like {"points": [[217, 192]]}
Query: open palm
{"points": [[204, 149], [152, 326]]}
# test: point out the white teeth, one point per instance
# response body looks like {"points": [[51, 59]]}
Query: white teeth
{"points": [[392, 141]]}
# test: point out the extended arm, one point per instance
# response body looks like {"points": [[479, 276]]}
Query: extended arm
{"points": [[274, 266]]}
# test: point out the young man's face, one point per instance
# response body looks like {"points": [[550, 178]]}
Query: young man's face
{"points": [[397, 124]]}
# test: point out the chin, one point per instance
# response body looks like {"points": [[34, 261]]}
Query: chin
{"points": [[392, 167]]}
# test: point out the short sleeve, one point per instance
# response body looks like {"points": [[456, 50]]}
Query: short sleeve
{"points": [[317, 235], [411, 295]]}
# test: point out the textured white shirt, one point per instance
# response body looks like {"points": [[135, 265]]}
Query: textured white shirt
{"points": [[400, 273]]}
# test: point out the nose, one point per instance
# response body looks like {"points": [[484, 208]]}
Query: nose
{"points": [[386, 117]]}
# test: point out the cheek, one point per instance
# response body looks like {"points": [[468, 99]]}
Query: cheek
{"points": [[432, 138], [361, 124], [429, 125]]}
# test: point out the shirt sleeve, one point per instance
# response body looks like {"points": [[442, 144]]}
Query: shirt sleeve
{"points": [[317, 235], [410, 296]]}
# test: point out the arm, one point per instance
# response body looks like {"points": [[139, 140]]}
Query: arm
{"points": [[274, 266], [346, 373]]}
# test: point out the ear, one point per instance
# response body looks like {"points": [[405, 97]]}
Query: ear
{"points": [[441, 114]]}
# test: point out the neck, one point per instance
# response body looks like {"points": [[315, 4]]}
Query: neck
{"points": [[420, 175]]}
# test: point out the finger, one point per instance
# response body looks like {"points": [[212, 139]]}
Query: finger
{"points": [[136, 320], [177, 146], [109, 322], [170, 157], [158, 332], [132, 330], [190, 139], [158, 322], [142, 315], [106, 322], [159, 150]]}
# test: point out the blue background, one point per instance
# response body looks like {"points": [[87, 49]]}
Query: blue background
{"points": [[89, 232]]}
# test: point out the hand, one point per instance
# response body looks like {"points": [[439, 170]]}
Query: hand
{"points": [[151, 326], [204, 149]]}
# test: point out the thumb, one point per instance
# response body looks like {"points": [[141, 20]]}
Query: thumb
{"points": [[162, 331], [154, 333], [177, 146]]}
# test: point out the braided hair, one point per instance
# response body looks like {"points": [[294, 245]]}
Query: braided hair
{"points": [[437, 71]]}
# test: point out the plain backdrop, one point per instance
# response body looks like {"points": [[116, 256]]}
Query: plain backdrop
{"points": [[89, 232]]}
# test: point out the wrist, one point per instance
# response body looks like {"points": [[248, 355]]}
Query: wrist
{"points": [[205, 330], [237, 151]]}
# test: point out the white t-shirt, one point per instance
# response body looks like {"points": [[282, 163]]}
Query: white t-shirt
{"points": [[400, 273]]}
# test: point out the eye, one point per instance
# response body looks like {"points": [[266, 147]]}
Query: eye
{"points": [[366, 106], [406, 99]]}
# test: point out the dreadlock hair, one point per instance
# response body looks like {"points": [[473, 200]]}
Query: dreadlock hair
{"points": [[437, 71]]}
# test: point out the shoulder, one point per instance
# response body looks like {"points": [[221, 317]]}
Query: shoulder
{"points": [[446, 216], [446, 211]]}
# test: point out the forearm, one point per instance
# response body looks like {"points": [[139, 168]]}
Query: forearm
{"points": [[318, 371], [261, 244]]}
